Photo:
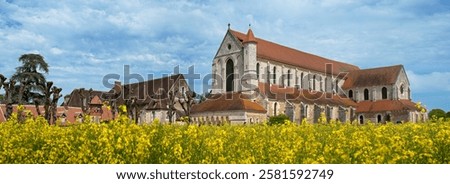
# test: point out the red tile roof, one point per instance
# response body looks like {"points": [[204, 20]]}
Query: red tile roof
{"points": [[75, 98], [228, 102], [275, 52], [372, 77], [71, 113], [385, 105], [96, 100], [250, 37], [152, 92]]}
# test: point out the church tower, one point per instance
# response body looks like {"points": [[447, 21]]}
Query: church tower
{"points": [[249, 77]]}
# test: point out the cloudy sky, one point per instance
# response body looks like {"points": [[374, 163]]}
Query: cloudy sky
{"points": [[85, 40]]}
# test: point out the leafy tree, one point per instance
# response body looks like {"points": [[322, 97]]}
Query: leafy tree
{"points": [[438, 113], [448, 114], [31, 78], [278, 119]]}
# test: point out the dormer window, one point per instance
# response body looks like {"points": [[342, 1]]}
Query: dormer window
{"points": [[401, 89]]}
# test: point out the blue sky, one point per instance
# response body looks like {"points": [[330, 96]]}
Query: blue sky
{"points": [[85, 40]]}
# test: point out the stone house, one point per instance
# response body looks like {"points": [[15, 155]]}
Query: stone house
{"points": [[301, 85], [151, 98]]}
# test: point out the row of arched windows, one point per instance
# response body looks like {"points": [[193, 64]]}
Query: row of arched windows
{"points": [[367, 94], [272, 77]]}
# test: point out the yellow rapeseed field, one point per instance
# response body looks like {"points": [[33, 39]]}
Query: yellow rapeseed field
{"points": [[33, 141]]}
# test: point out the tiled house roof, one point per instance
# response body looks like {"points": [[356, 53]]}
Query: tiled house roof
{"points": [[151, 93], [228, 102], [75, 98], [70, 112], [385, 105], [275, 52], [372, 77]]}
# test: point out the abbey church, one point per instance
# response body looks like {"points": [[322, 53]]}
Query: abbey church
{"points": [[255, 79]]}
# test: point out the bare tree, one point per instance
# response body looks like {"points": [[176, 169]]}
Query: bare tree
{"points": [[47, 101], [54, 104], [9, 91], [187, 100], [171, 110]]}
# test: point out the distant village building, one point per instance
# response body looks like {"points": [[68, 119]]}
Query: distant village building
{"points": [[255, 79], [63, 114], [148, 100], [151, 98], [89, 102]]}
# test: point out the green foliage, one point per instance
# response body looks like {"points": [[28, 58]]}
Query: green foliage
{"points": [[31, 77], [278, 119], [437, 113]]}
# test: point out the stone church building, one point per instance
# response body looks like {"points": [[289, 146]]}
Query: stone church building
{"points": [[255, 79]]}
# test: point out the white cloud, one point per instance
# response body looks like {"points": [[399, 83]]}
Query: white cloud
{"points": [[86, 39], [430, 82], [56, 51]]}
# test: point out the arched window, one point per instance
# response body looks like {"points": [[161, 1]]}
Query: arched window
{"points": [[314, 83], [366, 94], [361, 119], [350, 94], [289, 78], [388, 117], [384, 93], [275, 108], [321, 83], [379, 118], [409, 93], [301, 80], [257, 71], [401, 89], [268, 75], [326, 84], [230, 75], [336, 87], [274, 75], [302, 112]]}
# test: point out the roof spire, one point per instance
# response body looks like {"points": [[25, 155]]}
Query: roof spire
{"points": [[250, 36], [229, 25]]}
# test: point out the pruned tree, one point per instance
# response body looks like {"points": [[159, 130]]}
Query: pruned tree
{"points": [[171, 101], [133, 108], [187, 100], [85, 100], [9, 91], [47, 94]]}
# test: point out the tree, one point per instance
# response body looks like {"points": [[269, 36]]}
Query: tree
{"points": [[438, 113], [448, 115], [187, 100], [171, 110], [31, 77], [278, 119]]}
